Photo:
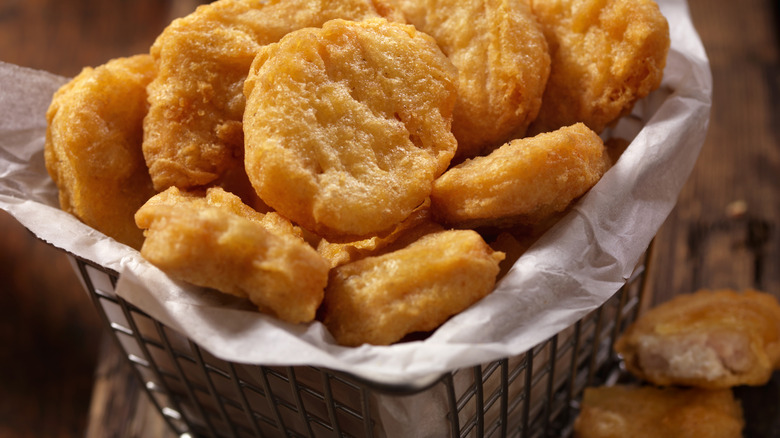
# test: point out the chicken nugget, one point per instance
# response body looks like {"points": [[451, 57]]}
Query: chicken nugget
{"points": [[219, 243], [413, 227], [193, 134], [649, 412], [605, 54], [93, 146], [523, 182], [379, 300], [708, 339], [501, 55], [347, 125]]}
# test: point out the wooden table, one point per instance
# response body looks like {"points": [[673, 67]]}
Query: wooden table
{"points": [[723, 233]]}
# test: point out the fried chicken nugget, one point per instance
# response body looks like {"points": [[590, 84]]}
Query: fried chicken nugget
{"points": [[523, 182], [708, 339], [649, 412], [347, 125], [379, 300], [412, 228], [217, 242], [93, 146], [606, 55], [193, 133], [501, 55]]}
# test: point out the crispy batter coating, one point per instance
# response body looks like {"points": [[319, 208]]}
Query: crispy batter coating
{"points": [[523, 182], [413, 227], [606, 55], [217, 242], [193, 133], [708, 339], [93, 146], [347, 126], [649, 412], [501, 55], [379, 300]]}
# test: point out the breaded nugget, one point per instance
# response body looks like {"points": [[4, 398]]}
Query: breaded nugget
{"points": [[502, 61], [347, 125], [708, 339], [413, 227], [93, 146], [219, 243], [649, 412], [193, 133], [606, 55], [379, 300], [523, 182]]}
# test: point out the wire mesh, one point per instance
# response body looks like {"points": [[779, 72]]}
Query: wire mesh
{"points": [[534, 394]]}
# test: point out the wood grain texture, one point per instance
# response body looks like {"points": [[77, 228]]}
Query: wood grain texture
{"points": [[724, 231]]}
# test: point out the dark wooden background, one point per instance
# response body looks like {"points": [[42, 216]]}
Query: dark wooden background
{"points": [[59, 376]]}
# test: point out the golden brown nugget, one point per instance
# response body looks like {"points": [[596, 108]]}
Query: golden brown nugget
{"points": [[523, 182], [379, 300], [347, 125], [606, 55], [219, 197], [503, 63], [649, 412], [93, 146], [413, 227], [217, 243], [708, 339], [193, 133]]}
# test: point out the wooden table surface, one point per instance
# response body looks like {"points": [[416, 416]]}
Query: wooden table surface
{"points": [[59, 375]]}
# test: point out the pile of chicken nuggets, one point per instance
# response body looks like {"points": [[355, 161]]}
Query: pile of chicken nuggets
{"points": [[366, 163], [688, 354]]}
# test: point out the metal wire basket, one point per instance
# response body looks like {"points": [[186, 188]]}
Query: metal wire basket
{"points": [[534, 394]]}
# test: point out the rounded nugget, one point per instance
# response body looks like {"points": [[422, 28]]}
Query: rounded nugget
{"points": [[501, 55], [347, 126], [193, 134], [606, 55], [523, 182], [650, 412], [708, 339], [215, 241], [93, 146], [378, 300]]}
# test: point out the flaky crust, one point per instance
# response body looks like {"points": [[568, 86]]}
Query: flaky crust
{"points": [[193, 133], [215, 241], [501, 55], [347, 126], [606, 55], [649, 412], [523, 182], [708, 339], [93, 146], [379, 300]]}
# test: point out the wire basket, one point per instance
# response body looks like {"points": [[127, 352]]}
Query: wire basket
{"points": [[534, 394]]}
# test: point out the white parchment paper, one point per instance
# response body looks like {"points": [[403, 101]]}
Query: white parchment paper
{"points": [[572, 270]]}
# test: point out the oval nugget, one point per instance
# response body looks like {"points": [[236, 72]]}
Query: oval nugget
{"points": [[93, 146], [347, 126], [215, 241], [378, 300], [193, 133], [708, 339], [606, 55], [651, 412], [501, 55], [523, 182]]}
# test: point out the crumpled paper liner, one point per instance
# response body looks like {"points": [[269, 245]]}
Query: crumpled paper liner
{"points": [[575, 267]]}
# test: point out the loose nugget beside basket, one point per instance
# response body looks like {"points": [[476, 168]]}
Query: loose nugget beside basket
{"points": [[571, 269]]}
